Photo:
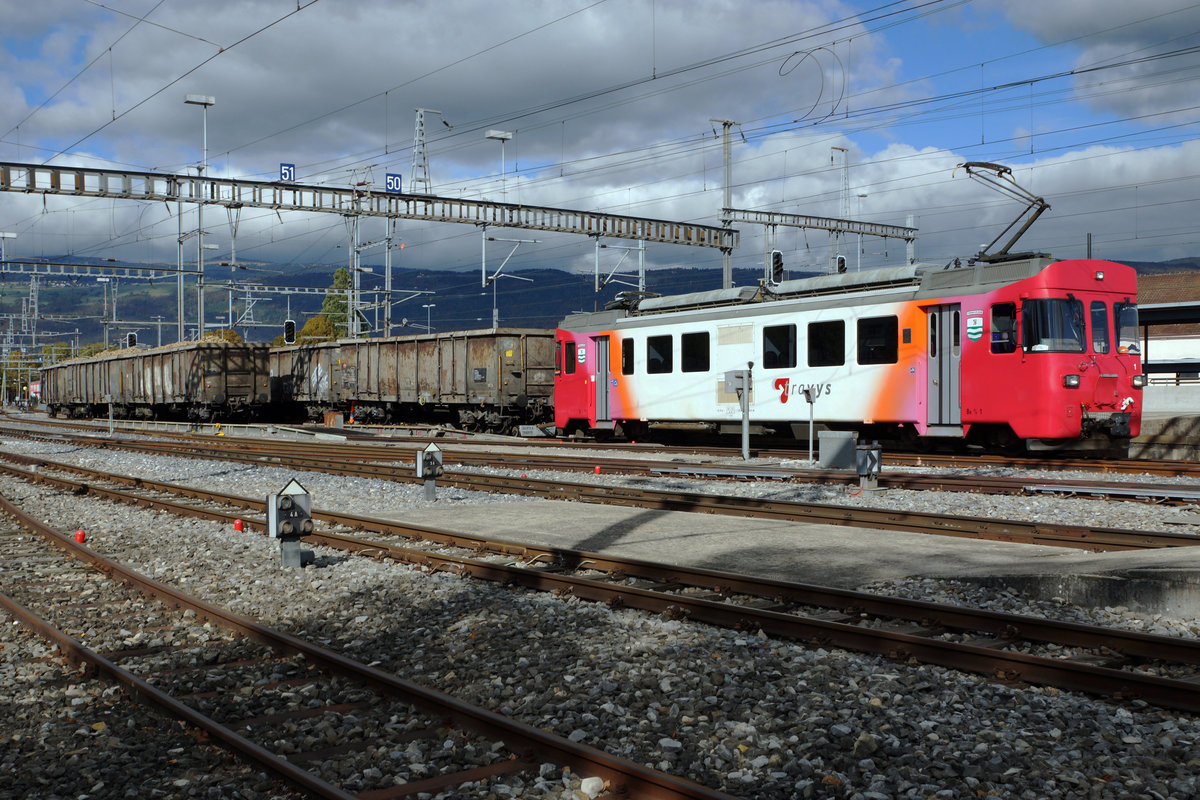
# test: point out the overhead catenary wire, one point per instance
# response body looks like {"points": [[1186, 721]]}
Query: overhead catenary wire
{"points": [[631, 164], [176, 80]]}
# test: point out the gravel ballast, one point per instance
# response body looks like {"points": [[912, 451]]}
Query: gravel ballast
{"points": [[755, 717]]}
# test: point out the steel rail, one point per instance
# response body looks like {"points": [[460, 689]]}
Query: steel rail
{"points": [[1076, 536], [556, 577], [631, 777], [1136, 491], [362, 433], [846, 600], [76, 653]]}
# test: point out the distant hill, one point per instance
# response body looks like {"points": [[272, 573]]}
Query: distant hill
{"points": [[1158, 267], [538, 299]]}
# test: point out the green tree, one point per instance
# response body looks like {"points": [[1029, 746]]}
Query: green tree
{"points": [[56, 352], [319, 328], [333, 307], [224, 335], [17, 369]]}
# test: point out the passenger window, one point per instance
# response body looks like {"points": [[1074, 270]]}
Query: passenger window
{"points": [[1100, 340], [826, 344], [878, 340], [1004, 328], [658, 355], [779, 347], [1052, 325], [693, 352], [627, 356], [570, 355], [1125, 320]]}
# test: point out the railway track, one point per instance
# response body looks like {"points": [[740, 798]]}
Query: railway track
{"points": [[301, 456], [1140, 491], [1005, 647], [893, 458], [262, 692]]}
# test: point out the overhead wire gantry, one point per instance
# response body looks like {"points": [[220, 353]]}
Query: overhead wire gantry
{"points": [[356, 201]]}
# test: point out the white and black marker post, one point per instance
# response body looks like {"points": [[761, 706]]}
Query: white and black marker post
{"points": [[429, 467], [868, 458], [289, 517]]}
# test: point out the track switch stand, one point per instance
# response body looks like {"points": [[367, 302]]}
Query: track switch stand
{"points": [[289, 517]]}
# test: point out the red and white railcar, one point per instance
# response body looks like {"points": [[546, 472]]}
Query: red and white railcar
{"points": [[1032, 349]]}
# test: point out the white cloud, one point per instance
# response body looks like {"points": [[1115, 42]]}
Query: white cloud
{"points": [[333, 87]]}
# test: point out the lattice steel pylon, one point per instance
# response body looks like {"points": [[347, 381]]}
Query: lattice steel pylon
{"points": [[420, 155]]}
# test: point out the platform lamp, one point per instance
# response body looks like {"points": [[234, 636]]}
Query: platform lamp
{"points": [[204, 101], [427, 307]]}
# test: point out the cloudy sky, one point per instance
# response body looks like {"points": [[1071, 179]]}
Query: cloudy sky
{"points": [[865, 106]]}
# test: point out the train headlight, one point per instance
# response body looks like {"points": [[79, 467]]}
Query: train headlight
{"points": [[1139, 381], [1071, 381]]}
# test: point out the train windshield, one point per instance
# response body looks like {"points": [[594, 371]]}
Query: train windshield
{"points": [[1125, 317], [1053, 325]]}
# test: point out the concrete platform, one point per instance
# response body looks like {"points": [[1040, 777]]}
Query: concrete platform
{"points": [[1173, 436], [1159, 581]]}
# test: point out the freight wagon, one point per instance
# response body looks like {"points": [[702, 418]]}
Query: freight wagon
{"points": [[208, 380], [483, 380]]}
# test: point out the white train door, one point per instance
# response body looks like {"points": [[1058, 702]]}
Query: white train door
{"points": [[602, 411], [944, 353]]}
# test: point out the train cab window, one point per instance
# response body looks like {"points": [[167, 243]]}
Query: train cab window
{"points": [[826, 343], [1100, 341], [627, 356], [1052, 325], [570, 356], [878, 340], [658, 355], [779, 347], [1004, 328], [558, 358], [1125, 320], [693, 352]]}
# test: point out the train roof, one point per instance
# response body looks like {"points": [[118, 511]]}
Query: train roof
{"points": [[922, 279]]}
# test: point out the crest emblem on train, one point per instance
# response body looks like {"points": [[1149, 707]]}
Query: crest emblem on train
{"points": [[975, 326]]}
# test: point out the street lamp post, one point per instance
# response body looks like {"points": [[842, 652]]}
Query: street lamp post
{"points": [[501, 137], [204, 101], [861, 197], [427, 307]]}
